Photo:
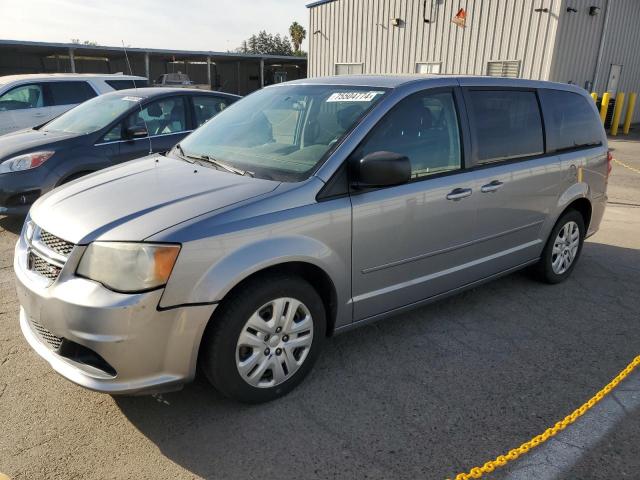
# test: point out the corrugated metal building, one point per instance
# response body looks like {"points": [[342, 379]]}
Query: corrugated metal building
{"points": [[592, 43]]}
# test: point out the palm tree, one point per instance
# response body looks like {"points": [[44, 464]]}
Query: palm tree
{"points": [[298, 34]]}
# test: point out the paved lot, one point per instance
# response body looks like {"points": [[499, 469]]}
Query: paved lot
{"points": [[423, 395]]}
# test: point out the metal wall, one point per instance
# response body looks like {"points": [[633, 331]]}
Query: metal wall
{"points": [[579, 38], [361, 31]]}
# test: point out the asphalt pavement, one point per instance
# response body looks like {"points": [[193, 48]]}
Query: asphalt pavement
{"points": [[426, 394]]}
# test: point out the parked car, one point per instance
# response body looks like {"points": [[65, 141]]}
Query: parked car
{"points": [[304, 210], [102, 132], [179, 80], [30, 100]]}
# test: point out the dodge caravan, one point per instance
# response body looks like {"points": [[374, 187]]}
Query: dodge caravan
{"points": [[303, 210]]}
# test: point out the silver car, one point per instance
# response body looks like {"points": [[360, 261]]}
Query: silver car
{"points": [[304, 210]]}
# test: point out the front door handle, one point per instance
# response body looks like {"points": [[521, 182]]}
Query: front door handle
{"points": [[459, 193], [491, 187]]}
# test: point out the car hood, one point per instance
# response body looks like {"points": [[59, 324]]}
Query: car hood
{"points": [[22, 141], [133, 201]]}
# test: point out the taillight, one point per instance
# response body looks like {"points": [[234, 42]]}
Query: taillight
{"points": [[609, 162]]}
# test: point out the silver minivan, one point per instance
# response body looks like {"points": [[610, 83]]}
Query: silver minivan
{"points": [[304, 210]]}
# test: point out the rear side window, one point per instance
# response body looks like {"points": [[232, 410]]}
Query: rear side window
{"points": [[505, 124], [70, 93], [424, 128], [207, 107], [570, 120], [124, 84]]}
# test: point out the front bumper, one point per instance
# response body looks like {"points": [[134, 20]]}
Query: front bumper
{"points": [[18, 190], [142, 349]]}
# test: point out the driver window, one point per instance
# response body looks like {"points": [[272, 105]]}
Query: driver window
{"points": [[161, 117], [22, 97], [423, 127]]}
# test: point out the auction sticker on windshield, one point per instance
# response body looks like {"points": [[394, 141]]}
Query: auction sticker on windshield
{"points": [[132, 99], [353, 96]]}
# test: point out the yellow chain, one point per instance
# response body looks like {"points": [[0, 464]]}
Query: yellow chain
{"points": [[633, 169], [502, 460]]}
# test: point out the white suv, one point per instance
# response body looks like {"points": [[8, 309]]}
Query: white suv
{"points": [[31, 100]]}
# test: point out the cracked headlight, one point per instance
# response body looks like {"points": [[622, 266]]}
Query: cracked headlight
{"points": [[128, 267]]}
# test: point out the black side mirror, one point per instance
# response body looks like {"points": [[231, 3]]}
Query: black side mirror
{"points": [[382, 169], [136, 131]]}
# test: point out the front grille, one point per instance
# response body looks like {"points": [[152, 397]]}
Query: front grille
{"points": [[52, 340], [56, 244], [43, 267]]}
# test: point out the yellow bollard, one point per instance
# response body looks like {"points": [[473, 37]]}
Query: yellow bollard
{"points": [[627, 118], [604, 107], [594, 95], [617, 111]]}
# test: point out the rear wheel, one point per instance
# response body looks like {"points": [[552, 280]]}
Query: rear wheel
{"points": [[563, 248], [264, 339]]}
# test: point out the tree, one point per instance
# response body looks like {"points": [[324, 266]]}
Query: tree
{"points": [[298, 34], [266, 44]]}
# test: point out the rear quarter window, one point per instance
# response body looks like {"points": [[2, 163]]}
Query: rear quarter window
{"points": [[505, 124], [124, 84], [570, 120]]}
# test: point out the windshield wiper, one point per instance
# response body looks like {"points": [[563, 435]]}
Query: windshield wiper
{"points": [[222, 165], [217, 163]]}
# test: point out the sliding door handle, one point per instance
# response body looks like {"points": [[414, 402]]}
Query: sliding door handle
{"points": [[491, 187], [459, 193]]}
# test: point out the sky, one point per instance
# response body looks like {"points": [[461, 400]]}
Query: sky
{"points": [[217, 25]]}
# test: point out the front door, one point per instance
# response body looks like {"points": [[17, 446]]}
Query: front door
{"points": [[23, 106], [614, 79], [166, 123], [413, 241]]}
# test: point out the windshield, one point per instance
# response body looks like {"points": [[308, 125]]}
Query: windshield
{"points": [[282, 132], [92, 115]]}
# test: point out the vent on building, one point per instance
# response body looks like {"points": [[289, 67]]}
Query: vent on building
{"points": [[348, 68], [428, 67], [504, 68]]}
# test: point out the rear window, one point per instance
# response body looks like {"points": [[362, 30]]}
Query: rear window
{"points": [[124, 84], [505, 124], [70, 93], [570, 120]]}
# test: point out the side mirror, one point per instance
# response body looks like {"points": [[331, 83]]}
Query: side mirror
{"points": [[136, 131], [382, 169]]}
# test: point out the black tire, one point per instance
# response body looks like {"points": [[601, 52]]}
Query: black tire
{"points": [[219, 343], [544, 268]]}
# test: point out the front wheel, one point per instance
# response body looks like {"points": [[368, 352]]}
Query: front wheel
{"points": [[264, 339], [563, 248]]}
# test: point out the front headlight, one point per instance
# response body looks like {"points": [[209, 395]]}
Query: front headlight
{"points": [[25, 161], [128, 267]]}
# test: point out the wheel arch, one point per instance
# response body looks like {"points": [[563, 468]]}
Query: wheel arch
{"points": [[311, 273]]}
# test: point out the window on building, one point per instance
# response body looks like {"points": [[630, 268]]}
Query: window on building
{"points": [[70, 93], [207, 107], [349, 68], [570, 119], [505, 124], [424, 127], [21, 97], [428, 67], [504, 68]]}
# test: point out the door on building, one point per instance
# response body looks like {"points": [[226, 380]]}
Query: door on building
{"points": [[614, 79]]}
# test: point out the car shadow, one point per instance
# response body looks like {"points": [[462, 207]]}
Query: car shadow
{"points": [[11, 224], [426, 394]]}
